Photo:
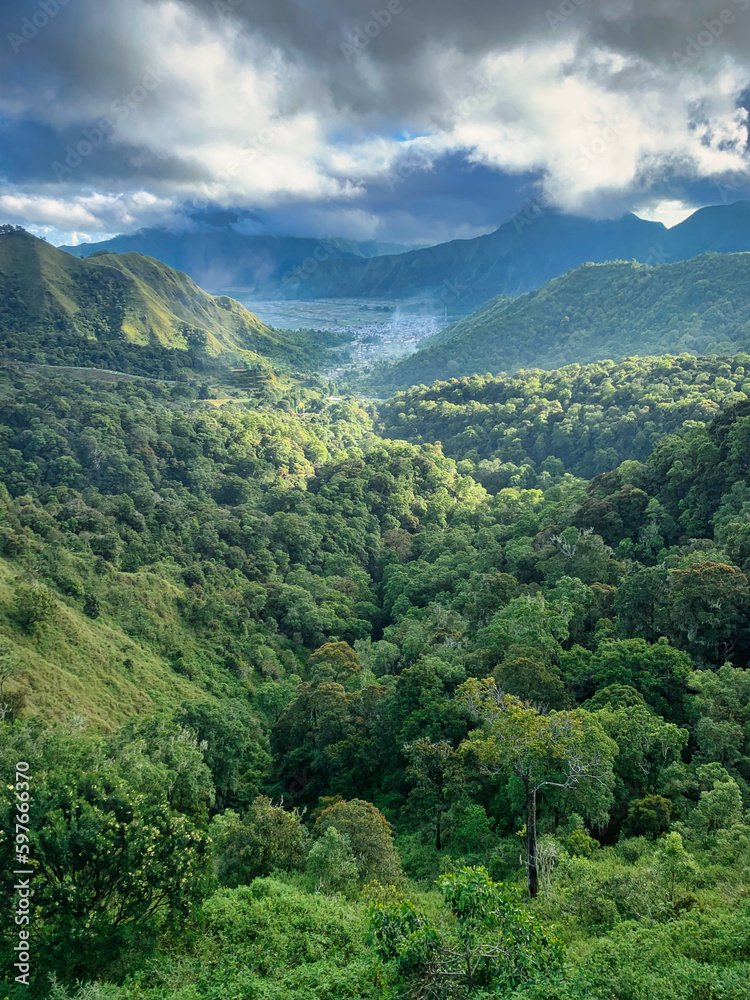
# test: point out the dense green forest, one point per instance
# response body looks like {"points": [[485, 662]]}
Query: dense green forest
{"points": [[310, 712], [530, 428], [597, 311]]}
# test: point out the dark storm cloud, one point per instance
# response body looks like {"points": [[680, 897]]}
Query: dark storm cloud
{"points": [[371, 76]]}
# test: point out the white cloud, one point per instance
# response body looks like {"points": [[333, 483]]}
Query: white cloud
{"points": [[248, 124], [670, 211]]}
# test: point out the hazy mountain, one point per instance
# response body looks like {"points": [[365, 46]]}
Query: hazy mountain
{"points": [[119, 310], [597, 311], [223, 259], [521, 255]]}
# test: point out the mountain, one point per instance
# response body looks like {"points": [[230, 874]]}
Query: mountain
{"points": [[724, 228], [223, 259], [517, 257], [521, 255], [123, 311], [598, 311]]}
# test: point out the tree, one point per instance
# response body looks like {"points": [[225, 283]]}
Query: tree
{"points": [[33, 606], [559, 750], [159, 753], [370, 837], [719, 805], [233, 749], [335, 661], [496, 944], [526, 621], [659, 671], [114, 864], [649, 816], [646, 744], [704, 609], [674, 864], [526, 673], [432, 766], [265, 839], [331, 864]]}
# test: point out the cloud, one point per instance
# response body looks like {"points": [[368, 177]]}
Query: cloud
{"points": [[321, 113]]}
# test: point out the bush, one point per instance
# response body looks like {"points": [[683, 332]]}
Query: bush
{"points": [[370, 837], [91, 606], [267, 838], [331, 865], [33, 606]]}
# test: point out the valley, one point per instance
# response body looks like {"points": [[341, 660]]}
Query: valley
{"points": [[287, 586]]}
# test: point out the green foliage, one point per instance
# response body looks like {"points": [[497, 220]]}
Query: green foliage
{"points": [[649, 816], [310, 639], [563, 750], [267, 838], [495, 944], [233, 749], [369, 835], [33, 606], [331, 865], [113, 863]]}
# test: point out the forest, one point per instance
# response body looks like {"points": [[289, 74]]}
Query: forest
{"points": [[320, 698]]}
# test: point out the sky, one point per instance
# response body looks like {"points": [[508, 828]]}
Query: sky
{"points": [[410, 121]]}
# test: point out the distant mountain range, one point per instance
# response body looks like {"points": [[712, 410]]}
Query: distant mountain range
{"points": [[521, 255], [222, 259], [596, 312], [457, 276], [124, 311]]}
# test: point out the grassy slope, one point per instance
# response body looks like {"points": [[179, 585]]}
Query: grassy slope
{"points": [[127, 297], [95, 668], [598, 311]]}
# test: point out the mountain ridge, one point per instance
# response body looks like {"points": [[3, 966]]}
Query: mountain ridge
{"points": [[222, 259], [522, 254], [115, 307], [592, 313]]}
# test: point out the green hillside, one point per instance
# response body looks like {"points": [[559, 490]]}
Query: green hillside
{"points": [[124, 311], [598, 311], [530, 428]]}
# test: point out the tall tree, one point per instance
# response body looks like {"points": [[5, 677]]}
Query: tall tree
{"points": [[558, 750], [431, 767]]}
